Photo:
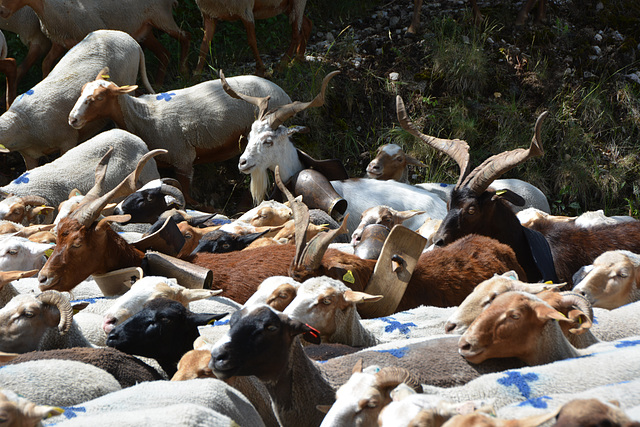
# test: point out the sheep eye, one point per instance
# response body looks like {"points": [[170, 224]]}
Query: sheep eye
{"points": [[271, 328], [514, 316], [226, 246], [28, 314], [623, 273], [188, 235], [99, 97], [13, 251]]}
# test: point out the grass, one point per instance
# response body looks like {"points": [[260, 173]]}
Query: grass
{"points": [[485, 84]]}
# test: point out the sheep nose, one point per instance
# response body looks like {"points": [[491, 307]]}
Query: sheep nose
{"points": [[449, 327], [42, 278], [463, 345], [583, 293], [439, 242]]}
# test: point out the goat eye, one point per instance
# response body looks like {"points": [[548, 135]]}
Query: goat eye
{"points": [[271, 328], [28, 314], [268, 142], [188, 235], [13, 251], [471, 210], [514, 316], [326, 301], [99, 97], [226, 246], [76, 245], [623, 273]]}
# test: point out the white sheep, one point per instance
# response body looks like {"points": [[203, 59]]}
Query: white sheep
{"points": [[270, 145], [19, 253], [330, 306], [57, 382], [196, 122], [201, 402], [26, 25], [75, 170], [42, 322], [68, 22], [611, 281], [36, 123], [587, 219]]}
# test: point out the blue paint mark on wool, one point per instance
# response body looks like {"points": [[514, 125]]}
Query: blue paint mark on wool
{"points": [[397, 352], [71, 411], [519, 380], [166, 96], [27, 93], [537, 402], [22, 179], [393, 325], [221, 322], [89, 300], [443, 185], [631, 343]]}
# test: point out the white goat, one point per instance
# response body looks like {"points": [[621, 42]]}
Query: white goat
{"points": [[270, 146], [67, 22], [20, 253], [75, 170], [196, 122], [36, 123], [611, 281]]}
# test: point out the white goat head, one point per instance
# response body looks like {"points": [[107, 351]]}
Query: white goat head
{"points": [[269, 144]]}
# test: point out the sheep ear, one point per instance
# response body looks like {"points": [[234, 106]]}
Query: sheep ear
{"points": [[309, 333], [357, 367], [581, 320], [126, 89], [103, 74], [546, 312], [415, 162], [201, 319], [248, 238], [358, 297]]}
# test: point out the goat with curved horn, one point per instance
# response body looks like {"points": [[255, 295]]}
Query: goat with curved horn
{"points": [[457, 149], [495, 166]]}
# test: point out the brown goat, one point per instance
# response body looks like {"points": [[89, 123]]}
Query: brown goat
{"points": [[476, 208], [248, 11]]}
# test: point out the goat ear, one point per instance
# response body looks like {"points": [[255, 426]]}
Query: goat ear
{"points": [[415, 162], [74, 192], [357, 367], [113, 218], [405, 215], [248, 238], [6, 357], [297, 129], [358, 297], [509, 196]]}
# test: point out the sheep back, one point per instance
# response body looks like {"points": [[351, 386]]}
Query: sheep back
{"points": [[76, 168], [126, 369], [57, 382], [37, 122], [147, 398], [433, 361]]}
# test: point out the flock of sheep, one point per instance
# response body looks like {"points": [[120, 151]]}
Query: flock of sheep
{"points": [[336, 301]]}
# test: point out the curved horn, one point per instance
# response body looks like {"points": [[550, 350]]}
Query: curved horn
{"points": [[300, 218], [92, 205], [33, 200], [174, 192], [311, 257], [491, 169], [570, 298], [64, 307], [261, 103], [284, 112], [457, 149], [391, 377]]}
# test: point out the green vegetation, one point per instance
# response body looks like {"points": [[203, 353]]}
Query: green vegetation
{"points": [[485, 84]]}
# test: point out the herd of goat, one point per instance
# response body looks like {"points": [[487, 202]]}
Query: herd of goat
{"points": [[335, 301]]}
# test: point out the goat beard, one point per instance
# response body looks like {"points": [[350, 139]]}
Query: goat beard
{"points": [[259, 185]]}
